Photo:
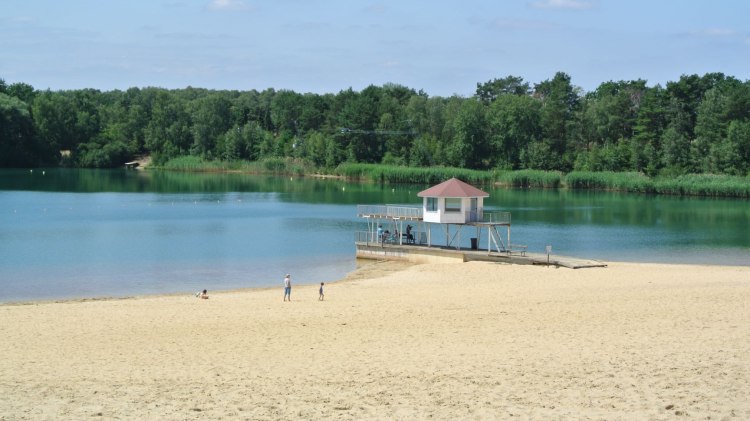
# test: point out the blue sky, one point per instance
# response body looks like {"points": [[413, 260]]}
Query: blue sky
{"points": [[325, 46]]}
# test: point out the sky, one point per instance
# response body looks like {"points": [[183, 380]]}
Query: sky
{"points": [[325, 46]]}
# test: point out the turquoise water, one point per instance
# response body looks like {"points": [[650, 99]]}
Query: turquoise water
{"points": [[93, 233]]}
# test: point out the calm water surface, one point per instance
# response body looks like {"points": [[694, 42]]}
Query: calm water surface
{"points": [[93, 233]]}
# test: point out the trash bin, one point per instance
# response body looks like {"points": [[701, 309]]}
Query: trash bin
{"points": [[473, 243]]}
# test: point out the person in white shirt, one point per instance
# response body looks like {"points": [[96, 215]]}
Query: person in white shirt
{"points": [[288, 287]]}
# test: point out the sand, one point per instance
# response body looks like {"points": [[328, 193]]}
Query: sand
{"points": [[396, 341]]}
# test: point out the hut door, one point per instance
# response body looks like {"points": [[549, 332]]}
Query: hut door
{"points": [[473, 210]]}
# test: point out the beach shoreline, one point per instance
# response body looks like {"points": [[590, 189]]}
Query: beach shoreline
{"points": [[362, 271], [396, 340]]}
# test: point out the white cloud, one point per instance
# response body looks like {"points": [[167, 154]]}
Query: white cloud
{"points": [[562, 4], [716, 32], [23, 19], [227, 5], [377, 8]]}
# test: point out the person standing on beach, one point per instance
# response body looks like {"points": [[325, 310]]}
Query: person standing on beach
{"points": [[321, 296], [288, 287]]}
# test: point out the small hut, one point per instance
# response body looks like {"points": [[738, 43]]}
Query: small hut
{"points": [[451, 205], [452, 202]]}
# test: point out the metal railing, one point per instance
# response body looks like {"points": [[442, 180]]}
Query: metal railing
{"points": [[369, 237], [496, 217], [390, 211]]}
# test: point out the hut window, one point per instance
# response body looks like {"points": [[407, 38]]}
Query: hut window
{"points": [[453, 204], [432, 204]]}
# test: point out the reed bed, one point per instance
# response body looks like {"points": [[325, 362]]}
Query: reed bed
{"points": [[414, 175], [710, 185], [531, 178], [704, 185], [264, 166], [607, 180]]}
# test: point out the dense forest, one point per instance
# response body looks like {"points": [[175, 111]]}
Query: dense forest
{"points": [[698, 124]]}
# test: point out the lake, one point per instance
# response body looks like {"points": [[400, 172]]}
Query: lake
{"points": [[92, 233]]}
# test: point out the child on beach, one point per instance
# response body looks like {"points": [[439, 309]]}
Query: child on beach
{"points": [[203, 294], [320, 293]]}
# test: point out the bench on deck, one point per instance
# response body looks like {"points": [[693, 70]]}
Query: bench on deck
{"points": [[408, 238], [518, 248]]}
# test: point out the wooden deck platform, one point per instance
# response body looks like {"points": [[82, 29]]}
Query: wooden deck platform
{"points": [[422, 253]]}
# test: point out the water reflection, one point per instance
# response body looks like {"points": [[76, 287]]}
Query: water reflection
{"points": [[115, 232]]}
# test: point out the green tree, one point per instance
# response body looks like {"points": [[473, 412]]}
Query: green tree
{"points": [[613, 110], [243, 142], [168, 134], [538, 155], [650, 123], [710, 130], [422, 151], [211, 119], [470, 147], [286, 109], [22, 91], [55, 120], [676, 151], [734, 152], [359, 115], [18, 145], [491, 90], [559, 101], [514, 123]]}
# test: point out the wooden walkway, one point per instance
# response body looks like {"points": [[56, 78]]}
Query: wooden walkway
{"points": [[423, 253]]}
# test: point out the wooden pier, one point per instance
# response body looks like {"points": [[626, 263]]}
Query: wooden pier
{"points": [[424, 254], [452, 206]]}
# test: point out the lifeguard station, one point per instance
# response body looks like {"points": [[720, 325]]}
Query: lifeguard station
{"points": [[451, 207]]}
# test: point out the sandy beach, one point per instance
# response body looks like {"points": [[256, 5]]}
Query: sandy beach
{"points": [[396, 341]]}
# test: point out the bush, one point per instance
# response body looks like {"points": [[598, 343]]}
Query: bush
{"points": [[416, 175], [272, 165], [531, 178], [704, 185], [608, 180]]}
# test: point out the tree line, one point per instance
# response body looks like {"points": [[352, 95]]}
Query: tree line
{"points": [[697, 124]]}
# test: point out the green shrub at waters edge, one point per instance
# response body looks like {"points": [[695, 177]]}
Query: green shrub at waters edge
{"points": [[607, 180], [704, 185], [531, 178], [684, 185], [264, 166], [416, 175]]}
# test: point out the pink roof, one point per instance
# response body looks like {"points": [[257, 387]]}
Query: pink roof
{"points": [[452, 188]]}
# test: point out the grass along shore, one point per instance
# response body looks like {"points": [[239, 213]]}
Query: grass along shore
{"points": [[710, 185]]}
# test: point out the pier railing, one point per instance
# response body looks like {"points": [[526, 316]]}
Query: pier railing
{"points": [[371, 238], [496, 217], [389, 212]]}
